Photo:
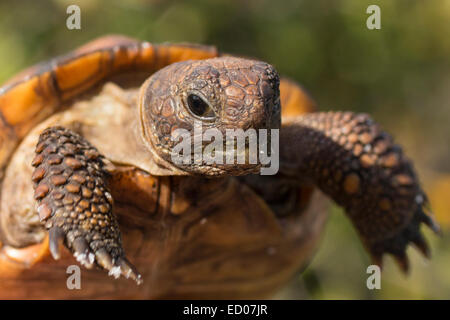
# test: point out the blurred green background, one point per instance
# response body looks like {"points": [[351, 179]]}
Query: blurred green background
{"points": [[400, 74]]}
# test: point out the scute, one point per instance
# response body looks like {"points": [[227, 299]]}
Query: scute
{"points": [[42, 90]]}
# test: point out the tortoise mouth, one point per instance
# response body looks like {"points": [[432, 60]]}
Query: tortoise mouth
{"points": [[234, 162], [222, 170]]}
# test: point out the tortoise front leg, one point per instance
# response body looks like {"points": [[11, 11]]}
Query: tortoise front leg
{"points": [[360, 167], [70, 180]]}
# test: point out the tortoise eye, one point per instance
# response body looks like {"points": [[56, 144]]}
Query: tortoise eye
{"points": [[200, 107]]}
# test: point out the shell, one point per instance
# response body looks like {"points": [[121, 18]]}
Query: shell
{"points": [[36, 93]]}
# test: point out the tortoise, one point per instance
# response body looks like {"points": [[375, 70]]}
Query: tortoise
{"points": [[88, 176]]}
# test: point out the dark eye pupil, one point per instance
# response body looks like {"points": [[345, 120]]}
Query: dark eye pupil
{"points": [[197, 105]]}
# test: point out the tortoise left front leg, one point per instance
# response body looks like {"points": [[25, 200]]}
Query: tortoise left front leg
{"points": [[70, 180], [360, 167]]}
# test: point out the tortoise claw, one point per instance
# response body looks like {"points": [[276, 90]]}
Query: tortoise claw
{"points": [[420, 243], [56, 236], [82, 252], [117, 267], [432, 224], [104, 259], [410, 234], [129, 271], [403, 262]]}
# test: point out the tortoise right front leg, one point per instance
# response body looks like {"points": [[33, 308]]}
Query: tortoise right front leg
{"points": [[74, 203]]}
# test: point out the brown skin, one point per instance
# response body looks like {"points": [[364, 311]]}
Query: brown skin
{"points": [[241, 94], [346, 156]]}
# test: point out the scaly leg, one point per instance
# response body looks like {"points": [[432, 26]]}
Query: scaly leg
{"points": [[74, 203], [358, 165]]}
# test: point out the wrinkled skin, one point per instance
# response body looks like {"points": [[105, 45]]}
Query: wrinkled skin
{"points": [[104, 185]]}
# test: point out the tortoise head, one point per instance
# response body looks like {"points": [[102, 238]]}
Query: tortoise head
{"points": [[204, 117]]}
